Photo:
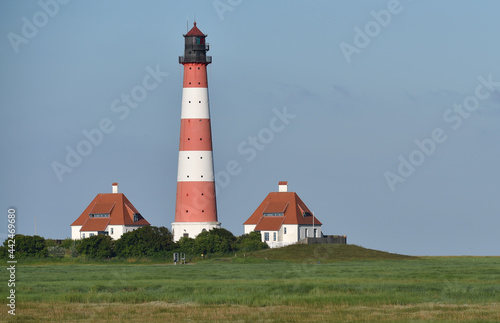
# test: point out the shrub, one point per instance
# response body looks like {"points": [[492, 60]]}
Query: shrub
{"points": [[250, 242], [187, 246], [99, 246], [27, 246], [215, 241], [148, 241], [56, 251], [68, 243]]}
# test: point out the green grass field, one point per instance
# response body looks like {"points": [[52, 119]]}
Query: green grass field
{"points": [[349, 284]]}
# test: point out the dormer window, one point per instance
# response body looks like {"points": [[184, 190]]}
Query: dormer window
{"points": [[136, 217]]}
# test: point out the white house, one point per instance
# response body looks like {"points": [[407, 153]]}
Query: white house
{"points": [[110, 214], [283, 219]]}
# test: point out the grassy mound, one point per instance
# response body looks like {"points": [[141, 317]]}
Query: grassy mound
{"points": [[324, 253]]}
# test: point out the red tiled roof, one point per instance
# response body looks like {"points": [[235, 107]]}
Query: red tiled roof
{"points": [[276, 207], [102, 208], [293, 214], [120, 209], [95, 224], [194, 31], [269, 223]]}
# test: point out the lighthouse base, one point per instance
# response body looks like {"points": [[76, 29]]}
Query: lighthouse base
{"points": [[191, 229]]}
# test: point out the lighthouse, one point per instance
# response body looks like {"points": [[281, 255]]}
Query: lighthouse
{"points": [[195, 208]]}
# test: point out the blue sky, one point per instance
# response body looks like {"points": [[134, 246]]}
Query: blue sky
{"points": [[357, 114]]}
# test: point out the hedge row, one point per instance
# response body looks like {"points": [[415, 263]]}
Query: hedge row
{"points": [[149, 241]]}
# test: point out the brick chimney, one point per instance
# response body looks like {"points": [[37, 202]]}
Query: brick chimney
{"points": [[283, 186], [115, 188]]}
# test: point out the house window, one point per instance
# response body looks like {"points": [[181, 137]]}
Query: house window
{"points": [[273, 214], [99, 215], [91, 235], [112, 231], [83, 235], [315, 232], [274, 236], [284, 230], [305, 233], [266, 236]]}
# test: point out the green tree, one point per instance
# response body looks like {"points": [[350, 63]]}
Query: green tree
{"points": [[187, 246], [27, 246], [148, 241], [68, 243], [99, 246], [250, 242], [217, 240]]}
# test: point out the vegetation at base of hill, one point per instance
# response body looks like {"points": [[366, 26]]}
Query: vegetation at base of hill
{"points": [[145, 242], [325, 253]]}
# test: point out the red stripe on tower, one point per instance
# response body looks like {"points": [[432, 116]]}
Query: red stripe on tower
{"points": [[195, 209]]}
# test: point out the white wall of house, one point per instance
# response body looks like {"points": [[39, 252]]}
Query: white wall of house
{"points": [[287, 234], [114, 231], [248, 228], [75, 232], [87, 234], [291, 235], [273, 236]]}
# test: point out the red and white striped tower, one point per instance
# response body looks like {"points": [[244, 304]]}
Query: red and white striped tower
{"points": [[195, 209]]}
